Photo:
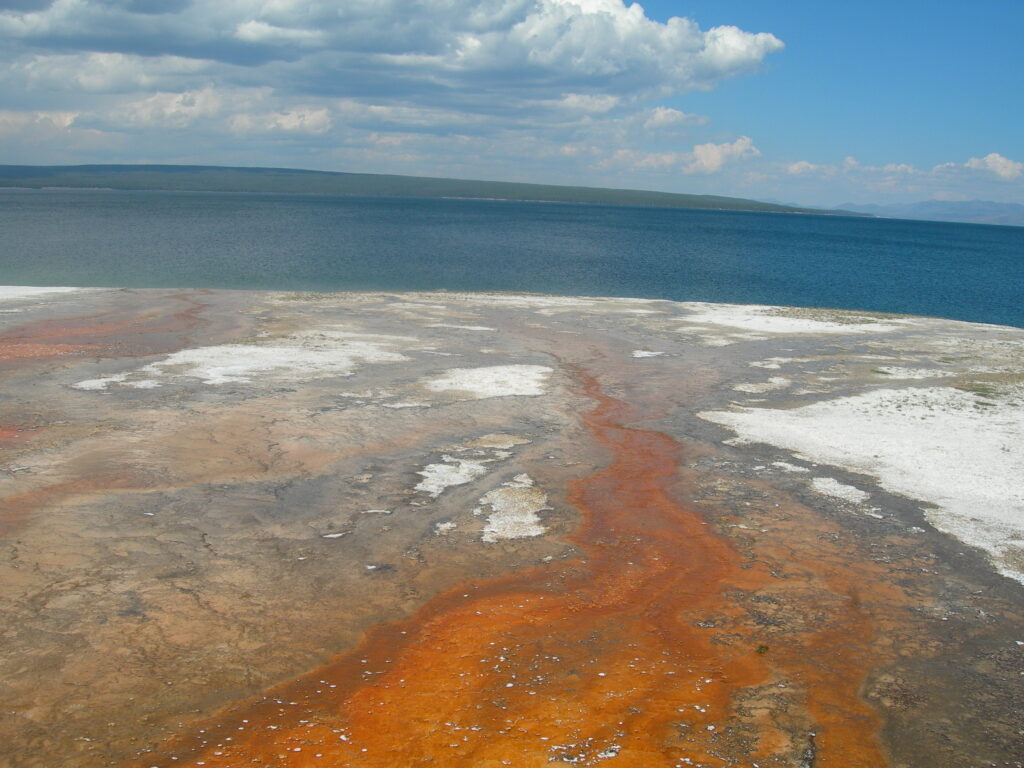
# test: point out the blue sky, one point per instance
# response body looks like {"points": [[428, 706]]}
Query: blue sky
{"points": [[905, 82], [806, 102]]}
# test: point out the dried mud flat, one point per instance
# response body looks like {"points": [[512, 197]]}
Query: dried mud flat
{"points": [[258, 529]]}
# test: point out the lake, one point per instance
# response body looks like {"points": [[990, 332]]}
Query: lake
{"points": [[329, 243]]}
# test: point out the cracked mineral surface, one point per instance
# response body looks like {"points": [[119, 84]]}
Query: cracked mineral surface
{"points": [[394, 529]]}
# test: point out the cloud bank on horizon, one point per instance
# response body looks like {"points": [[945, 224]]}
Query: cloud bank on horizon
{"points": [[560, 91]]}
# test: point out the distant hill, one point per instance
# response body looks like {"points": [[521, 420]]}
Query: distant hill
{"points": [[218, 179], [969, 211]]}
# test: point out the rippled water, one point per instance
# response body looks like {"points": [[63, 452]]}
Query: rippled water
{"points": [[308, 242]]}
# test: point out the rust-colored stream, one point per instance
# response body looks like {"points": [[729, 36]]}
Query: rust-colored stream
{"points": [[597, 659]]}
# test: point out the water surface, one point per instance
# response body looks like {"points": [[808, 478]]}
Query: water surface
{"points": [[315, 242]]}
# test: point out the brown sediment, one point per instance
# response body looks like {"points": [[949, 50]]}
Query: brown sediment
{"points": [[602, 657], [13, 435], [16, 511], [109, 334]]}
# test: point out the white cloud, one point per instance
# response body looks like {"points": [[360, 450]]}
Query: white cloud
{"points": [[664, 117], [805, 168], [899, 168], [990, 178], [461, 85], [308, 121], [709, 158], [589, 103], [483, 52], [702, 159], [254, 31], [12, 123], [730, 49], [638, 160], [46, 135], [104, 72], [995, 163], [170, 110]]}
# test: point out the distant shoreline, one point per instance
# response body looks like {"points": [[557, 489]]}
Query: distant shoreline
{"points": [[287, 180], [793, 212]]}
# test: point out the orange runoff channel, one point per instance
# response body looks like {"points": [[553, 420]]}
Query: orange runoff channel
{"points": [[595, 659]]}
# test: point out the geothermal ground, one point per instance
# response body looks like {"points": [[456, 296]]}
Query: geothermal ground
{"points": [[257, 529]]}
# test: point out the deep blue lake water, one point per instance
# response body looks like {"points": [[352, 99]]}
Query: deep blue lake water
{"points": [[308, 242]]}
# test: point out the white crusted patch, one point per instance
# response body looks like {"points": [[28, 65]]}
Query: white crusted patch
{"points": [[19, 292], [897, 372], [828, 486], [774, 383], [117, 378], [550, 305], [461, 327], [230, 363], [785, 466], [442, 529], [454, 471], [101, 383], [532, 301], [417, 305], [774, 363], [779, 320], [950, 448], [493, 381], [645, 353], [514, 509], [326, 352]]}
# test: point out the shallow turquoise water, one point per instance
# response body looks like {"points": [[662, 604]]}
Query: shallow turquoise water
{"points": [[307, 242]]}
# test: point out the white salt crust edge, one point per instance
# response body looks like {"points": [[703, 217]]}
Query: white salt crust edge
{"points": [[454, 471], [828, 486], [934, 444], [493, 381], [514, 510], [785, 466], [18, 292], [764, 319], [899, 372], [326, 352], [775, 382]]}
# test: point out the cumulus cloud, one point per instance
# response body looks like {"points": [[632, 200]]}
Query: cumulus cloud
{"points": [[805, 168], [640, 160], [899, 168], [709, 158], [460, 86], [24, 132], [589, 102], [478, 53], [13, 123], [307, 121], [661, 118], [170, 110], [702, 159], [993, 177], [104, 72], [1003, 167]]}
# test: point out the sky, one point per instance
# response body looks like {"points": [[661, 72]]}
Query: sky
{"points": [[814, 103]]}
